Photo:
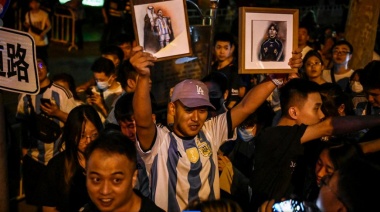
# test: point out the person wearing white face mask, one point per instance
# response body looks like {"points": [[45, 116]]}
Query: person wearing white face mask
{"points": [[107, 88], [235, 166], [357, 91]]}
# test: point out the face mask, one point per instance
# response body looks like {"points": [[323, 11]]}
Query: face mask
{"points": [[245, 133], [103, 85], [356, 87], [217, 103]]}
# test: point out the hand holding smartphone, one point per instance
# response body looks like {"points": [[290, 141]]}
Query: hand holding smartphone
{"points": [[45, 101], [289, 205], [89, 91]]}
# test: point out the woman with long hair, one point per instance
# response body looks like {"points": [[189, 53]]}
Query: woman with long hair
{"points": [[63, 185]]}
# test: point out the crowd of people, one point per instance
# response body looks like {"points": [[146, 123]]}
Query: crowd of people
{"points": [[230, 142]]}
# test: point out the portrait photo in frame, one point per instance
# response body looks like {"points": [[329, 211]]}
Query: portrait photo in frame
{"points": [[267, 37], [162, 28]]}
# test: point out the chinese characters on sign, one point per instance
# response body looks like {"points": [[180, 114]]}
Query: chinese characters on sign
{"points": [[18, 71], [16, 65]]}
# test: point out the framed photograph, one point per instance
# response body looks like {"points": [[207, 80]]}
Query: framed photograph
{"points": [[162, 27], [267, 37]]}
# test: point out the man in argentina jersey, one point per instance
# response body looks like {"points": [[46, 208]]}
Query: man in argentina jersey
{"points": [[182, 163]]}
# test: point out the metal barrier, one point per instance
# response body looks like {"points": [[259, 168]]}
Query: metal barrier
{"points": [[63, 27]]}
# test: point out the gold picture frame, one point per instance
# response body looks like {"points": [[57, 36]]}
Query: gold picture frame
{"points": [[162, 28], [267, 38]]}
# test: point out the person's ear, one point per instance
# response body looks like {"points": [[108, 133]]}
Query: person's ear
{"points": [[134, 178], [232, 48], [171, 108], [293, 113], [225, 95], [341, 110], [131, 84]]}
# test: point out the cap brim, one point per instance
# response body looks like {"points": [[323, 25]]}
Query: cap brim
{"points": [[191, 103]]}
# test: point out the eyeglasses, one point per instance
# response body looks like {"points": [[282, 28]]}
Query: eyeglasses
{"points": [[340, 52], [313, 64], [91, 137], [41, 65]]}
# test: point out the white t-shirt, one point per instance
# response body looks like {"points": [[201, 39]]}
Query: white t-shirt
{"points": [[305, 50], [38, 20], [341, 79]]}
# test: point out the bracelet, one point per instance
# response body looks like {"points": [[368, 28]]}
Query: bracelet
{"points": [[277, 81]]}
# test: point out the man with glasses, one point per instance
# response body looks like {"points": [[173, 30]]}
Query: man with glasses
{"points": [[38, 153], [340, 73]]}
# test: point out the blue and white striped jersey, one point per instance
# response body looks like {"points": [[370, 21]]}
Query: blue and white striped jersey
{"points": [[59, 96], [181, 171]]}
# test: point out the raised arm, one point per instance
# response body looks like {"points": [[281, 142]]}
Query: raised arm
{"points": [[258, 94], [145, 127], [339, 125]]}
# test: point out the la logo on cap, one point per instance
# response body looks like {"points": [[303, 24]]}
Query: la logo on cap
{"points": [[200, 90]]}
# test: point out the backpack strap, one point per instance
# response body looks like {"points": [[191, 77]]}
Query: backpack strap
{"points": [[332, 75], [30, 104]]}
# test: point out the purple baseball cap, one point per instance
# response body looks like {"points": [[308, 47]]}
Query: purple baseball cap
{"points": [[192, 93]]}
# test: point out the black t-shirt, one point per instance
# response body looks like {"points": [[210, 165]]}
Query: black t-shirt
{"points": [[276, 152], [147, 205], [236, 81], [55, 193]]}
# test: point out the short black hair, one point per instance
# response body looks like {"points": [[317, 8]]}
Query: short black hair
{"points": [[333, 97], [304, 26], [370, 75], [124, 107], [343, 42], [295, 92], [124, 38], [219, 78], [103, 64], [113, 50], [66, 77], [113, 142], [224, 36], [126, 71]]}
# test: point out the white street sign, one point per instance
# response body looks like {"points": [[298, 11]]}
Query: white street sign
{"points": [[18, 67]]}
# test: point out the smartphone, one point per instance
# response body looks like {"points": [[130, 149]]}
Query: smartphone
{"points": [[89, 91], [45, 101], [288, 205]]}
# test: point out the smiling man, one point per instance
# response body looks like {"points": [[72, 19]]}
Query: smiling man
{"points": [[182, 162], [111, 175]]}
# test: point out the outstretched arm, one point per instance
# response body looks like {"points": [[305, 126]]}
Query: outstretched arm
{"points": [[145, 127], [370, 146], [258, 94], [339, 125]]}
